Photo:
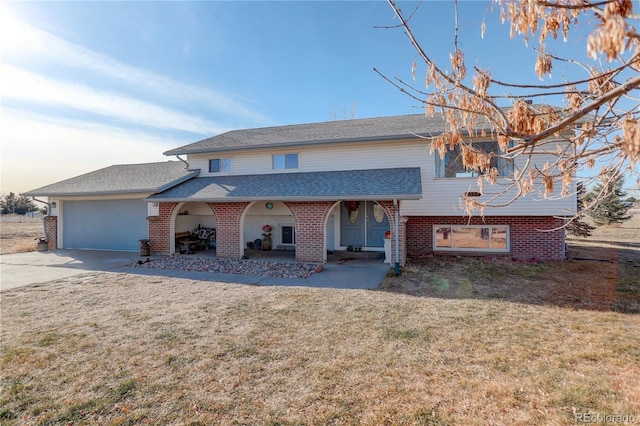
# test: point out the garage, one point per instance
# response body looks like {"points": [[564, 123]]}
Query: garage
{"points": [[105, 224]]}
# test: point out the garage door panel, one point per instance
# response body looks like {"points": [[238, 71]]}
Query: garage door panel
{"points": [[105, 224]]}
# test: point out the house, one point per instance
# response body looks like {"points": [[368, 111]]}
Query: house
{"points": [[320, 186]]}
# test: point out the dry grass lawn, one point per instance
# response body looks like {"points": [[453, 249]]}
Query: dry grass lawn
{"points": [[18, 233], [451, 341]]}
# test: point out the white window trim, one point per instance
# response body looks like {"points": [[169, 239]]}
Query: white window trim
{"points": [[478, 250], [284, 154], [221, 172], [282, 225]]}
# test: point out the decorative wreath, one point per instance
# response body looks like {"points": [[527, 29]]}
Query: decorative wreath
{"points": [[352, 206]]}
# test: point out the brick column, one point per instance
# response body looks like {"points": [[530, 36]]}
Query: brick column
{"points": [[402, 233], [228, 232], [310, 229], [51, 229], [160, 229]]}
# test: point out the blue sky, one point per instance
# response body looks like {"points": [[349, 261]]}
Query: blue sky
{"points": [[89, 84]]}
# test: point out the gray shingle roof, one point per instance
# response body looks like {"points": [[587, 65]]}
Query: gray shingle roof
{"points": [[120, 179], [377, 184], [366, 129]]}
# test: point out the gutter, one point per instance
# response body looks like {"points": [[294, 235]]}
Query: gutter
{"points": [[44, 218]]}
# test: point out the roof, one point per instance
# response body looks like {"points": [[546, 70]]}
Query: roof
{"points": [[375, 184], [120, 179], [360, 130]]}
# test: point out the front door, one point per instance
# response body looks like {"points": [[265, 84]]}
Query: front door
{"points": [[364, 226], [377, 225]]}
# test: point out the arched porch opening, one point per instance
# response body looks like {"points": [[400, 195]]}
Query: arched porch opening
{"points": [[199, 221], [279, 240], [358, 227]]}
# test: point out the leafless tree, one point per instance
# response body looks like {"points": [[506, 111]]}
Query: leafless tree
{"points": [[596, 124]]}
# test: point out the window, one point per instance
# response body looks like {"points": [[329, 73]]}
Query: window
{"points": [[287, 234], [451, 165], [285, 161], [471, 238], [220, 165]]}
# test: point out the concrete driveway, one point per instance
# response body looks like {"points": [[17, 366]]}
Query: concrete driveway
{"points": [[22, 269]]}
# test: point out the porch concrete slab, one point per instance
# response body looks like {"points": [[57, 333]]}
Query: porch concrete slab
{"points": [[357, 274]]}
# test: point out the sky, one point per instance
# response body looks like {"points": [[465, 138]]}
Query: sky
{"points": [[85, 85]]}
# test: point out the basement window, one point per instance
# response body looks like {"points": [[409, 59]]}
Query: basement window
{"points": [[471, 238]]}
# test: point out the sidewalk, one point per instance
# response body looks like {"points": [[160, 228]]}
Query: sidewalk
{"points": [[22, 269]]}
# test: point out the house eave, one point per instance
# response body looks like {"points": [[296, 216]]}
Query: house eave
{"points": [[369, 139], [380, 197]]}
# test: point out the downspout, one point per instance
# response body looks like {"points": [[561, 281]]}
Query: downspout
{"points": [[396, 236], [44, 218], [186, 164]]}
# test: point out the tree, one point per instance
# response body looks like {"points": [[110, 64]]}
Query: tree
{"points": [[610, 208], [597, 121], [11, 203], [576, 226]]}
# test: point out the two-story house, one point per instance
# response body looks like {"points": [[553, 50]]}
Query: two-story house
{"points": [[320, 186]]}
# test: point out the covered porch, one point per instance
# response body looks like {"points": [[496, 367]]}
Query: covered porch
{"points": [[300, 216]]}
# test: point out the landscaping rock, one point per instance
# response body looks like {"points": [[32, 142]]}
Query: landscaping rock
{"points": [[230, 266]]}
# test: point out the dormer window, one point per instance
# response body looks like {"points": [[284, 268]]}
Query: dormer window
{"points": [[219, 165], [285, 161]]}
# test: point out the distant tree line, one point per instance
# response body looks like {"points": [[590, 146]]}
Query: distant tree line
{"points": [[17, 204]]}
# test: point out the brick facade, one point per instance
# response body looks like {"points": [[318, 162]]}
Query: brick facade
{"points": [[228, 231], [160, 229], [51, 229], [531, 237], [310, 229]]}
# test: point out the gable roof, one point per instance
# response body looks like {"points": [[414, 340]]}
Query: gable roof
{"points": [[359, 130], [373, 184], [120, 179]]}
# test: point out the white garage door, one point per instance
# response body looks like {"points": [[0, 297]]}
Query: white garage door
{"points": [[104, 225]]}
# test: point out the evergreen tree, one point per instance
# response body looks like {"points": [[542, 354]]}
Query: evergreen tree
{"points": [[578, 227], [612, 206]]}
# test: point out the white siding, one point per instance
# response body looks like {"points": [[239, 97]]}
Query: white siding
{"points": [[441, 197]]}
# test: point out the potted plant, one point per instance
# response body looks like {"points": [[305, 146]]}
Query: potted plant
{"points": [[43, 244], [266, 237]]}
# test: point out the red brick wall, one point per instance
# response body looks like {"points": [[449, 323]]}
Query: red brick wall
{"points": [[531, 237], [310, 229], [51, 226], [228, 232], [160, 229]]}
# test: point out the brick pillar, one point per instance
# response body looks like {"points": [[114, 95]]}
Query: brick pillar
{"points": [[160, 229], [402, 233], [228, 232], [310, 229], [51, 229]]}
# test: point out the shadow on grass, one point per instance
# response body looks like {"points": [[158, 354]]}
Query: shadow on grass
{"points": [[593, 278]]}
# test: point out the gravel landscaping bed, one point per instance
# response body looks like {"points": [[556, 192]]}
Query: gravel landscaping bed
{"points": [[231, 266]]}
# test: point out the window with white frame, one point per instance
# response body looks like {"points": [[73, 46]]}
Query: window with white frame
{"points": [[287, 234], [471, 238], [219, 165], [451, 165], [285, 161]]}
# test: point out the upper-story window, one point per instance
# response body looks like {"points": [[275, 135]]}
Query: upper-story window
{"points": [[451, 165], [285, 161], [218, 165]]}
